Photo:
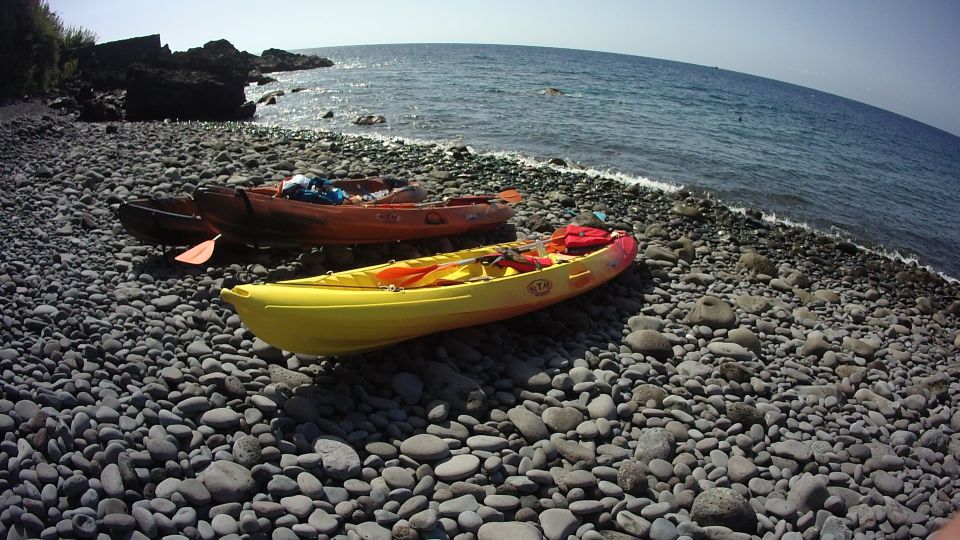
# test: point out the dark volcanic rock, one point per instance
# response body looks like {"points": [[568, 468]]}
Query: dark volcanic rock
{"points": [[105, 65], [102, 107], [280, 60], [205, 83], [725, 507], [158, 93], [369, 120]]}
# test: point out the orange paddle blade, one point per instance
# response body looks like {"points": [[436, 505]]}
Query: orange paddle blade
{"points": [[199, 253], [512, 196], [412, 274], [394, 273]]}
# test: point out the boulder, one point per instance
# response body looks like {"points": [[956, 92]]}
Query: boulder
{"points": [[724, 507], [644, 393], [743, 413], [809, 492], [745, 337], [734, 371], [340, 460], [685, 210], [815, 345], [655, 443], [632, 479], [155, 93], [228, 481], [649, 343], [369, 120], [660, 253], [756, 263], [859, 347], [754, 305], [713, 312], [589, 219], [272, 94], [102, 107]]}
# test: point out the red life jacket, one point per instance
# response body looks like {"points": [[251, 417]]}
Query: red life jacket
{"points": [[578, 237], [530, 264]]}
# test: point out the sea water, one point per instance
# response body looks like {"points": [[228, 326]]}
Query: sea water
{"points": [[797, 154]]}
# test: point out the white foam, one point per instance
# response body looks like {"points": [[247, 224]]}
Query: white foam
{"points": [[840, 234], [446, 144], [911, 261], [396, 140], [610, 174], [656, 185]]}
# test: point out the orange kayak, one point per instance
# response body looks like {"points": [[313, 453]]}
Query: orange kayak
{"points": [[262, 220], [176, 221]]}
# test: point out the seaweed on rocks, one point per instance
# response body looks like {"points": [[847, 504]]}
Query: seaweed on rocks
{"points": [[133, 399]]}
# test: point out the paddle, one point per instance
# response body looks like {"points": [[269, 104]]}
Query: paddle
{"points": [[414, 274], [199, 253], [511, 196]]}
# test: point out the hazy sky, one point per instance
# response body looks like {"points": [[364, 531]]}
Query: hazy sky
{"points": [[901, 55]]}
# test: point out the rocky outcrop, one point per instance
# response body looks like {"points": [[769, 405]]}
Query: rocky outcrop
{"points": [[202, 83], [219, 57], [280, 60], [104, 66], [222, 57], [155, 93]]}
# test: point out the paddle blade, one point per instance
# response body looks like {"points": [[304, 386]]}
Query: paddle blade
{"points": [[511, 196], [199, 253], [395, 273]]}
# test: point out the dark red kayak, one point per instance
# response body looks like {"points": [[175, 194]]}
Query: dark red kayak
{"points": [[257, 219], [170, 221], [175, 221]]}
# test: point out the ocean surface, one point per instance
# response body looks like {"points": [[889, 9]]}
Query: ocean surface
{"points": [[799, 155]]}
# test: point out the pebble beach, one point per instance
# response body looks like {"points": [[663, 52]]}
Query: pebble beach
{"points": [[745, 379]]}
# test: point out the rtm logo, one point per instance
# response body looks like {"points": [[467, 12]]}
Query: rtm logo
{"points": [[540, 287]]}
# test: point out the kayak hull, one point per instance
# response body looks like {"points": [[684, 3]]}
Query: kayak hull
{"points": [[259, 220], [351, 312], [176, 221], [170, 221]]}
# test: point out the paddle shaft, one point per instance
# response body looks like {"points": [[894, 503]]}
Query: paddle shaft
{"points": [[417, 273], [510, 196]]}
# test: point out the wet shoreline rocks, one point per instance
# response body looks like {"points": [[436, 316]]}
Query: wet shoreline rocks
{"points": [[703, 394]]}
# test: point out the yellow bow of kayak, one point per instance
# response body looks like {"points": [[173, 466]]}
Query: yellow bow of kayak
{"points": [[356, 311]]}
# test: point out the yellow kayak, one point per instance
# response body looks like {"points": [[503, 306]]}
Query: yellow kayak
{"points": [[368, 308]]}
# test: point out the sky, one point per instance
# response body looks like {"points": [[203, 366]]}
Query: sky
{"points": [[899, 55]]}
